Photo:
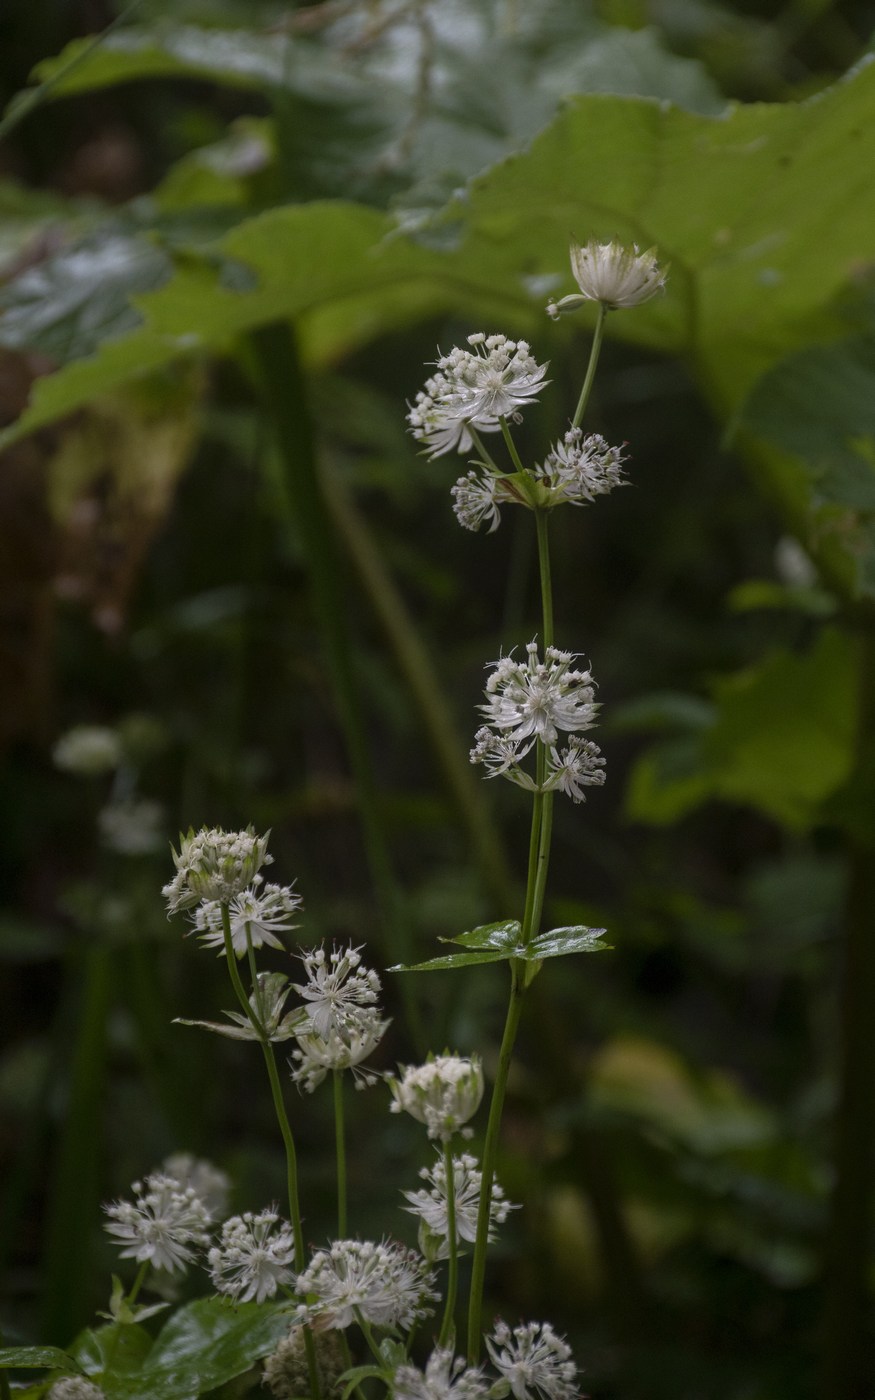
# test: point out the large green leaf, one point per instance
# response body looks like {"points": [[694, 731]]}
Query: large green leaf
{"points": [[764, 214], [783, 740], [36, 1358]]}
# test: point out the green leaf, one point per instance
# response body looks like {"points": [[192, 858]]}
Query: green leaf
{"points": [[204, 1345], [455, 960], [757, 593], [38, 1358], [499, 937], [782, 740], [559, 942]]}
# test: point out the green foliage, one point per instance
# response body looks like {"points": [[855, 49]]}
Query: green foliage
{"points": [[501, 942]]}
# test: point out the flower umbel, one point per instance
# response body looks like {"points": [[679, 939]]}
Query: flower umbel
{"points": [[443, 1093], [88, 749], [166, 1224], [384, 1283], [474, 388], [253, 1257], [338, 989], [534, 699], [75, 1388], [285, 1370], [536, 1364], [611, 274], [214, 864], [432, 1207], [445, 1378], [319, 1055], [210, 1183], [260, 913], [580, 468]]}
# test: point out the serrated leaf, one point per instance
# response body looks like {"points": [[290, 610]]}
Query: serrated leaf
{"points": [[453, 960], [559, 942], [499, 937], [38, 1358]]}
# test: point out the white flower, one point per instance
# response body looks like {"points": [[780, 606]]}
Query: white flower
{"points": [[131, 827], [253, 1258], [166, 1224], [210, 1183], [88, 749], [535, 1362], [575, 767], [286, 1373], [262, 913], [445, 1378], [432, 1205], [75, 1388], [610, 274], [214, 864], [534, 699], [319, 1055], [337, 989], [475, 500], [443, 1093], [500, 757], [474, 388], [384, 1283], [580, 468]]}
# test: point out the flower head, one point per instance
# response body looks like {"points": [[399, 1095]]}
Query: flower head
{"points": [[535, 1362], [209, 1183], [610, 274], [384, 1283], [75, 1388], [580, 468], [474, 389], [258, 913], [318, 1055], [88, 749], [214, 864], [253, 1256], [338, 989], [166, 1224], [578, 765], [443, 1093], [445, 1378], [432, 1206], [476, 500], [286, 1373], [534, 699]]}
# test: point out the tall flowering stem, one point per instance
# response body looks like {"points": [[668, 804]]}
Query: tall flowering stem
{"points": [[340, 1148], [447, 1329], [594, 353]]}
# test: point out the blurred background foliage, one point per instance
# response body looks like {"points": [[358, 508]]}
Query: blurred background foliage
{"points": [[232, 234]]}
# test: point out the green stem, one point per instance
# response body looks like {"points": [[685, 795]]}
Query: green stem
{"points": [[138, 1283], [541, 517], [534, 848], [591, 367], [236, 980], [130, 1299], [447, 1326], [368, 1335], [340, 1144], [490, 1148], [485, 454], [511, 445]]}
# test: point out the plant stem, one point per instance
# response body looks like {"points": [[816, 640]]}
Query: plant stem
{"points": [[284, 1127], [591, 367], [486, 455], [490, 1146], [340, 1145], [511, 445], [447, 1326], [541, 517]]}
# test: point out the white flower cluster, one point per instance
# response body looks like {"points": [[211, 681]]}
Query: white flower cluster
{"points": [[166, 1224], [532, 1362], [432, 1205], [75, 1388], [445, 1377], [208, 1182], [532, 700], [286, 1373], [580, 468], [443, 1093], [132, 826], [214, 864], [255, 1255], [256, 913], [474, 388], [611, 274], [88, 750], [383, 1283], [342, 1023]]}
